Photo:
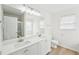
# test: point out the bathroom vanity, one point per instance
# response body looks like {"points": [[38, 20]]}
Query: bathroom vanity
{"points": [[20, 32], [32, 46]]}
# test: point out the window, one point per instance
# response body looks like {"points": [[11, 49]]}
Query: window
{"points": [[68, 22]]}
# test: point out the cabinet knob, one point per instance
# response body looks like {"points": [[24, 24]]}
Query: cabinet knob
{"points": [[25, 50]]}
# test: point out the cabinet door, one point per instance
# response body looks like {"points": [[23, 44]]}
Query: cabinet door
{"points": [[32, 50], [44, 47], [40, 48]]}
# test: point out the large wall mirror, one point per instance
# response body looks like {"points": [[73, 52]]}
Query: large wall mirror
{"points": [[13, 23], [18, 24], [32, 25]]}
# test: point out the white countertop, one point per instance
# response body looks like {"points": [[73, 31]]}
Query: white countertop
{"points": [[7, 49]]}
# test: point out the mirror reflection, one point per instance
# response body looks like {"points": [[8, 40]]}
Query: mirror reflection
{"points": [[13, 24]]}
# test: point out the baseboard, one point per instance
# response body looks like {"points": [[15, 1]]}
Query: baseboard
{"points": [[69, 48]]}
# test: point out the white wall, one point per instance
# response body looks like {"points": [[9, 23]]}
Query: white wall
{"points": [[48, 28], [67, 38]]}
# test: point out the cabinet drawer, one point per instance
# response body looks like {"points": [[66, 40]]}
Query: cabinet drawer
{"points": [[20, 52], [31, 50]]}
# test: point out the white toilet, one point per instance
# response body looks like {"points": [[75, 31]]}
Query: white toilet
{"points": [[54, 43]]}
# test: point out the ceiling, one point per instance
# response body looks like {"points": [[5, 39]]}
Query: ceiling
{"points": [[15, 9], [51, 8], [45, 8]]}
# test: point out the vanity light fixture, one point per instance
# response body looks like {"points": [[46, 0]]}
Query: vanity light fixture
{"points": [[31, 11]]}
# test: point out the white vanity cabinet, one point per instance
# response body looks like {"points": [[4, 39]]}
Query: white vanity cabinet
{"points": [[30, 50], [39, 48], [44, 47]]}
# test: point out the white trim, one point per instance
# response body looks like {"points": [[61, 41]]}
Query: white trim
{"points": [[68, 47]]}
